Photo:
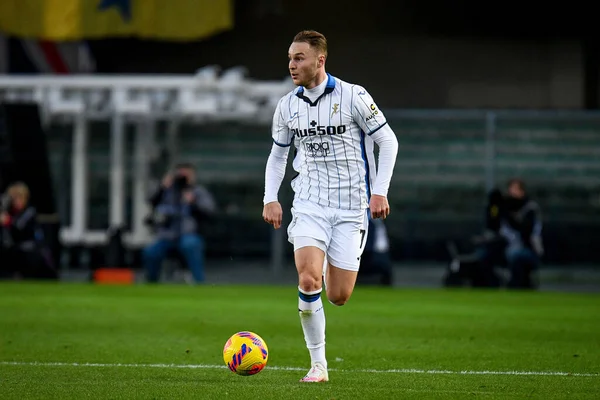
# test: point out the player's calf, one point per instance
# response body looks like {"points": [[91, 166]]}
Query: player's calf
{"points": [[339, 297]]}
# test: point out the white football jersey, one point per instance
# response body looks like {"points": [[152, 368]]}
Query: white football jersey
{"points": [[334, 157]]}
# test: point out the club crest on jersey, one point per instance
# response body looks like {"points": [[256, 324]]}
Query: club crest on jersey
{"points": [[374, 110], [335, 109]]}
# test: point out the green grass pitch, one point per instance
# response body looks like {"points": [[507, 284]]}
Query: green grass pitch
{"points": [[83, 341]]}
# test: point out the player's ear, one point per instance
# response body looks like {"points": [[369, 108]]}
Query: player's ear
{"points": [[321, 60]]}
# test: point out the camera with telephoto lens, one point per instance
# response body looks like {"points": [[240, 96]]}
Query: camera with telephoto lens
{"points": [[180, 182], [156, 219]]}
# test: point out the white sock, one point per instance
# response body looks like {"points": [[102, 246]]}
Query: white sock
{"points": [[312, 318]]}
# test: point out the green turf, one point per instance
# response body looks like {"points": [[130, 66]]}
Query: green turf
{"points": [[379, 329]]}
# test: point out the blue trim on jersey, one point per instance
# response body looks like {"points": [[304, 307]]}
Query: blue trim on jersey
{"points": [[328, 89], [330, 83], [282, 144], [363, 153], [378, 128]]}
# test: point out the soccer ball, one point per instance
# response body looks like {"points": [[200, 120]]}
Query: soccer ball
{"points": [[245, 353]]}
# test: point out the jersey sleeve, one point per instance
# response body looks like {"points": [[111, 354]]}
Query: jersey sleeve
{"points": [[280, 131], [365, 112]]}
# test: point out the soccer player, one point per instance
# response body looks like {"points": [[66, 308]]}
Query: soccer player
{"points": [[333, 126]]}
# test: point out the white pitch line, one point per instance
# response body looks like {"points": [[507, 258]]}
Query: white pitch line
{"points": [[280, 368]]}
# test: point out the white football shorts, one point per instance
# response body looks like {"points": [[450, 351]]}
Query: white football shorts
{"points": [[341, 234]]}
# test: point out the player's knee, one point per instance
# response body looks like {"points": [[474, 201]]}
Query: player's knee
{"points": [[308, 282]]}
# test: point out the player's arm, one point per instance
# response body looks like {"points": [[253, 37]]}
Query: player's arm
{"points": [[388, 150], [275, 169], [372, 121]]}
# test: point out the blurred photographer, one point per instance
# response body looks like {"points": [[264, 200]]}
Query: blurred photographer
{"points": [[474, 263], [180, 206], [490, 245], [512, 237], [521, 227], [22, 238]]}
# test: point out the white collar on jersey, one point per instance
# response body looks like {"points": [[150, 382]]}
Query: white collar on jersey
{"points": [[317, 90], [328, 88]]}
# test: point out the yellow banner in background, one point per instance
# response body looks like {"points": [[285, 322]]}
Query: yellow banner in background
{"points": [[59, 20]]}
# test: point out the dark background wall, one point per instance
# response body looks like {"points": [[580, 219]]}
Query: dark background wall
{"points": [[409, 54]]}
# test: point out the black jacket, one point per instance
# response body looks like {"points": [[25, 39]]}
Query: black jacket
{"points": [[22, 228]]}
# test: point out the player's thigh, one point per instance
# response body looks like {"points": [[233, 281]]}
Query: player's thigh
{"points": [[345, 250], [309, 263], [309, 232], [348, 240], [309, 220]]}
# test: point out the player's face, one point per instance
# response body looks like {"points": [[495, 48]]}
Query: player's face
{"points": [[304, 64]]}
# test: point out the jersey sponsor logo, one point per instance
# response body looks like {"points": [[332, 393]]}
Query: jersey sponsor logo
{"points": [[374, 112], [319, 130], [294, 115], [316, 149]]}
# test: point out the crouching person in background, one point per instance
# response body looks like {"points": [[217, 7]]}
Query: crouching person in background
{"points": [[22, 243], [180, 206], [521, 227]]}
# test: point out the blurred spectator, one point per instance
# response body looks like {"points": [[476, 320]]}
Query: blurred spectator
{"points": [[179, 206], [521, 227], [24, 253]]}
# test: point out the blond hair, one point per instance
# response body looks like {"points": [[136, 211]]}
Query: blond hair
{"points": [[314, 39]]}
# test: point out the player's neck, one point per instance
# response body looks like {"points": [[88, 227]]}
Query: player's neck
{"points": [[319, 79]]}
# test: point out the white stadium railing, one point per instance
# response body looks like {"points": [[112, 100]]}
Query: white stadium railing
{"points": [[209, 95]]}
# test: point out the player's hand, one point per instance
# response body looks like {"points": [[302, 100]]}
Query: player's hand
{"points": [[380, 208], [4, 218], [272, 214]]}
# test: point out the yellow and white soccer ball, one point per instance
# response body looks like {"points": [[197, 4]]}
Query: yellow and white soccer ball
{"points": [[245, 353]]}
